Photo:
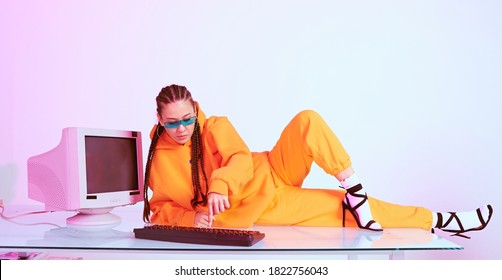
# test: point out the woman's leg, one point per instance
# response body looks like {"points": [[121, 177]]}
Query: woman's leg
{"points": [[293, 206], [323, 207], [307, 139]]}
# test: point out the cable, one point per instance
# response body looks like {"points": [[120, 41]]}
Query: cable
{"points": [[11, 218]]}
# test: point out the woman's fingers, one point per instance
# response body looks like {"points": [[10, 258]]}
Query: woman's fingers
{"points": [[202, 219], [217, 203]]}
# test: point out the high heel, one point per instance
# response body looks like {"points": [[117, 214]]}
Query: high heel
{"points": [[459, 232], [352, 209]]}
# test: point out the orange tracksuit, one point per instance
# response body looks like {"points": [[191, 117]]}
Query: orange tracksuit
{"points": [[263, 188]]}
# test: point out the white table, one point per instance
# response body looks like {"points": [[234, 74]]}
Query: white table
{"points": [[49, 241]]}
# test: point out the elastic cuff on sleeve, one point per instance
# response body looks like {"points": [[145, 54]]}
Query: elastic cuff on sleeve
{"points": [[218, 186], [188, 219]]}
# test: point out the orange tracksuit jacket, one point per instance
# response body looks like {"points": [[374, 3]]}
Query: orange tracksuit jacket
{"points": [[263, 188]]}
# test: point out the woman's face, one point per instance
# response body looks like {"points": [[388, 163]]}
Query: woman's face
{"points": [[178, 119]]}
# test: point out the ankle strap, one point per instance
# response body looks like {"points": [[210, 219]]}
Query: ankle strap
{"points": [[354, 189]]}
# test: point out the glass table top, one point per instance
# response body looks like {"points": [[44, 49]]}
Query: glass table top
{"points": [[51, 233]]}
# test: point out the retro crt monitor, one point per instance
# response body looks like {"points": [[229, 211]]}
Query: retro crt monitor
{"points": [[90, 172]]}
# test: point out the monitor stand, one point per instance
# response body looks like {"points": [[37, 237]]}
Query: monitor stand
{"points": [[93, 221]]}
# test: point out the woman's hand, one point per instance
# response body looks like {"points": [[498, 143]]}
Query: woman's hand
{"points": [[216, 204], [202, 219]]}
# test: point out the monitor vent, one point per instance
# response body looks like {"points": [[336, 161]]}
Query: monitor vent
{"points": [[48, 184]]}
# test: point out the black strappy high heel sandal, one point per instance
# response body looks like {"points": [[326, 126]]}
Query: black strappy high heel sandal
{"points": [[461, 230], [352, 209]]}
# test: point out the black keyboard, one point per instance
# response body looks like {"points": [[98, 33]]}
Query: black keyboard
{"points": [[195, 235]]}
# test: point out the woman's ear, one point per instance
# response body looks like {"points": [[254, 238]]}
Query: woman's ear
{"points": [[195, 108], [159, 118]]}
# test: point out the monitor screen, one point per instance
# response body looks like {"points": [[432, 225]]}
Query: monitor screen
{"points": [[110, 164]]}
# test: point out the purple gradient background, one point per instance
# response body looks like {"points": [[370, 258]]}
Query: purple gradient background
{"points": [[412, 88]]}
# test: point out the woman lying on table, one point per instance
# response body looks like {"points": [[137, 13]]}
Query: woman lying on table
{"points": [[202, 174]]}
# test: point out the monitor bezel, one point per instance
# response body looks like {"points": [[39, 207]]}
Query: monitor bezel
{"points": [[105, 199]]}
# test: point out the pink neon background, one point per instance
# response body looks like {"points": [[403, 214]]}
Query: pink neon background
{"points": [[412, 89]]}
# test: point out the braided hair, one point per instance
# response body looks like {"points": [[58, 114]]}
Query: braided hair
{"points": [[169, 95]]}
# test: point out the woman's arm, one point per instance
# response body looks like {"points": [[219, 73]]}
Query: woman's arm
{"points": [[168, 212], [236, 162]]}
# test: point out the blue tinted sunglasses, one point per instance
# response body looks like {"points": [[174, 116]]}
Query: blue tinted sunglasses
{"points": [[176, 124]]}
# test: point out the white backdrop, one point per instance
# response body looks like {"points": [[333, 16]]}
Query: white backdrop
{"points": [[412, 88]]}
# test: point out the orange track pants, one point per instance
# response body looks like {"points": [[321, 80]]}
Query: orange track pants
{"points": [[307, 139]]}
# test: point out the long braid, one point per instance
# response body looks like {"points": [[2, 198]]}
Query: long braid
{"points": [[168, 95], [198, 161], [151, 152]]}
